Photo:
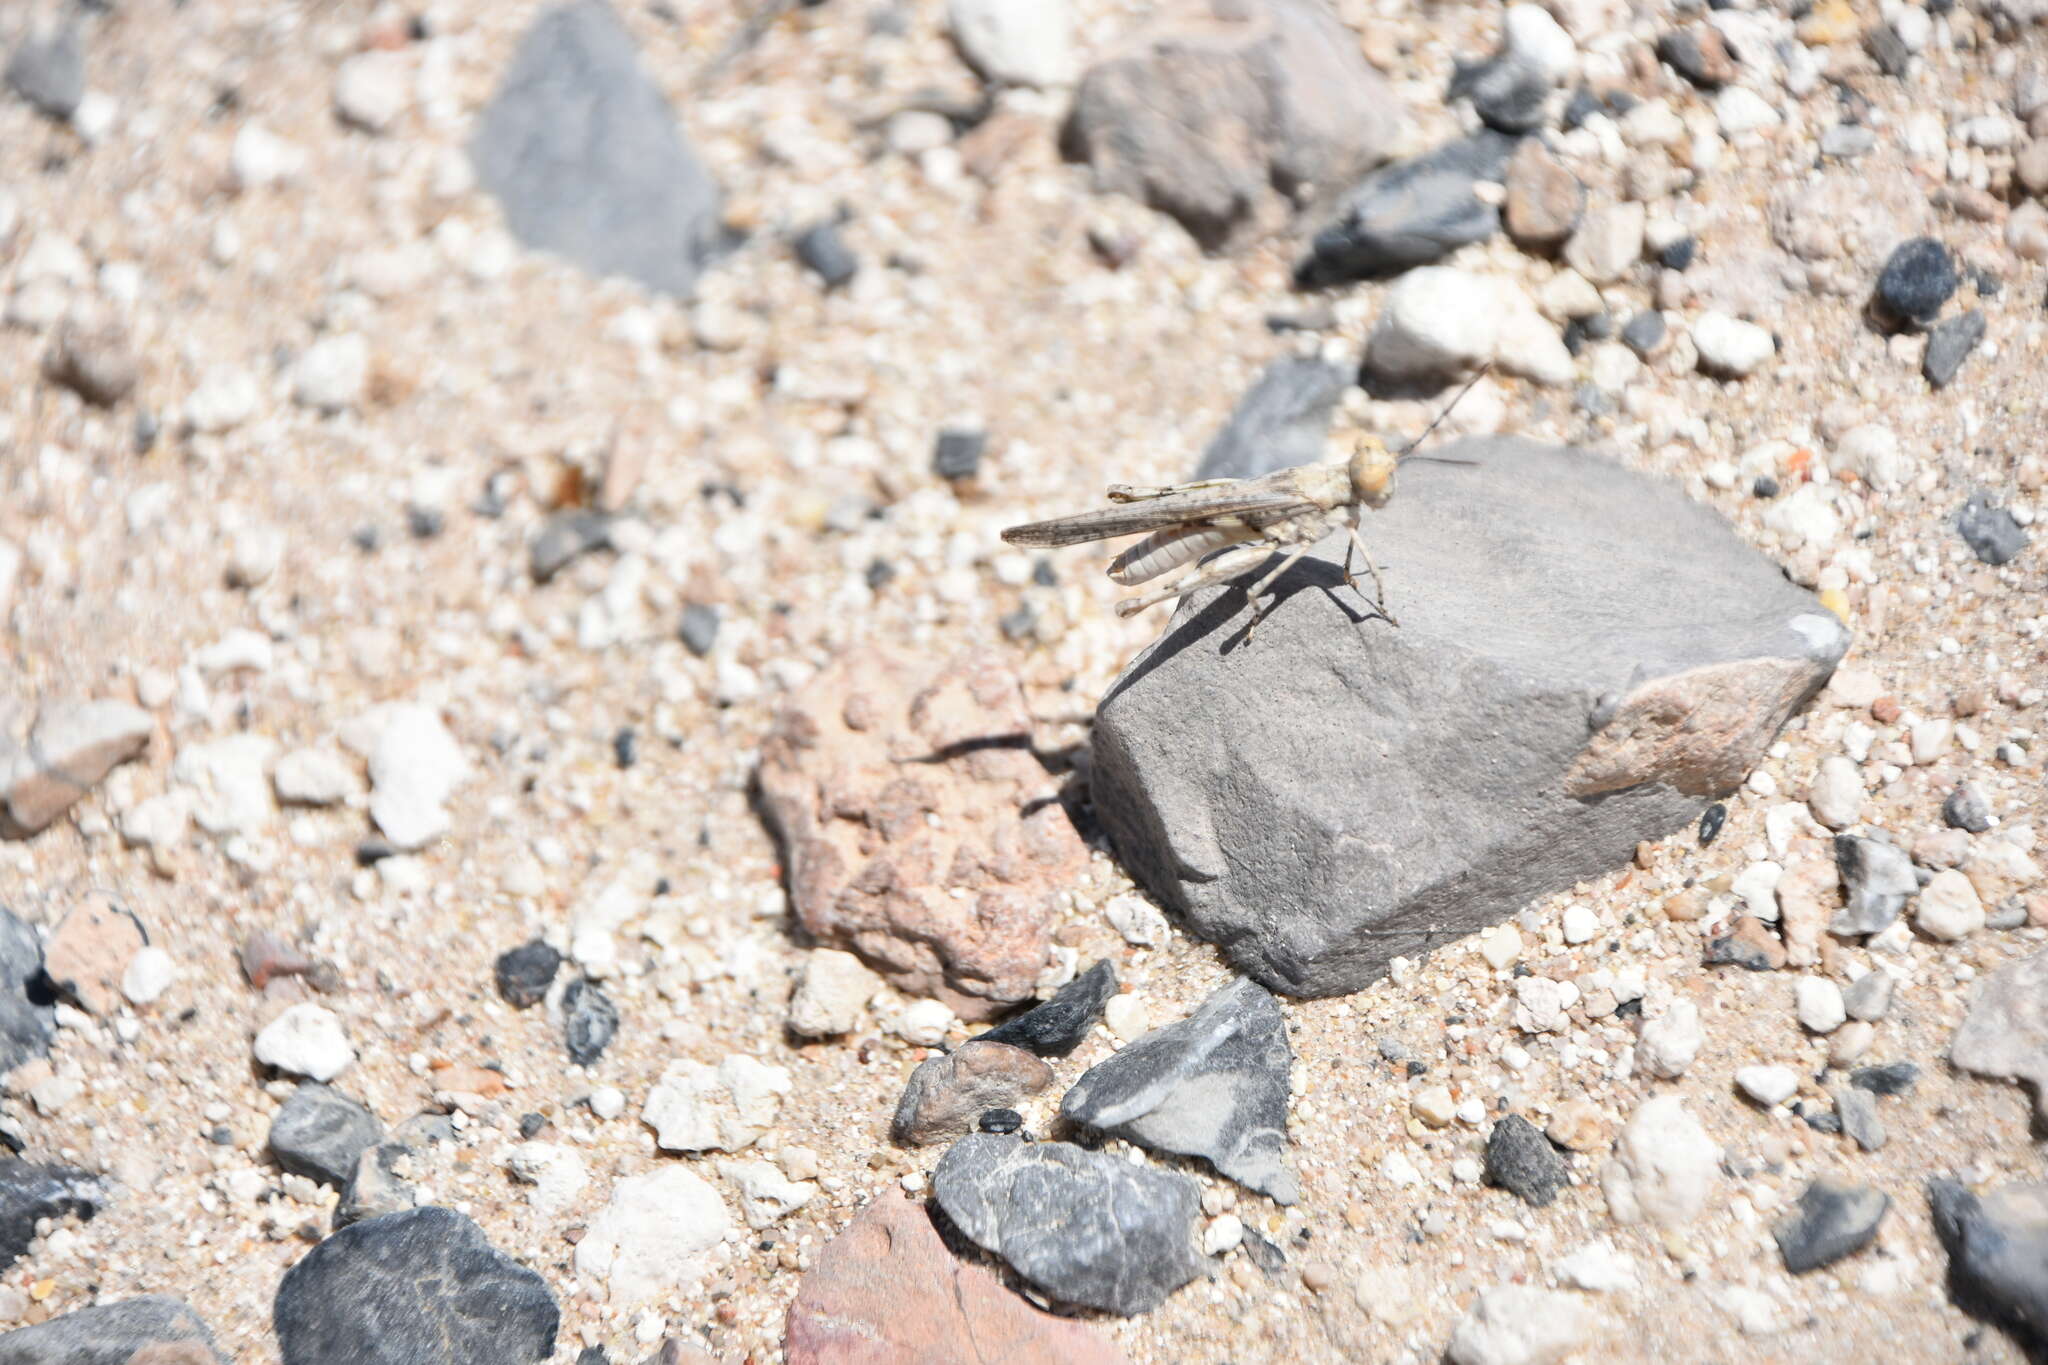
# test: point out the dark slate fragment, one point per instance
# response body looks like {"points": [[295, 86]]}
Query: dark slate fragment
{"points": [[1084, 1227], [410, 1288], [589, 1020], [1411, 212], [563, 537], [1521, 1160], [1877, 881], [110, 1334], [375, 1187], [1282, 420], [28, 1011], [1889, 1078], [1997, 1250], [825, 253], [1679, 255], [1965, 809], [1918, 278], [1949, 344], [1644, 332], [320, 1133], [581, 149], [48, 70], [1857, 1112], [1057, 1027], [525, 973], [1265, 1255], [699, 628], [1213, 1085], [29, 1191], [1887, 49], [1830, 1222], [1991, 532], [958, 451], [1507, 92]]}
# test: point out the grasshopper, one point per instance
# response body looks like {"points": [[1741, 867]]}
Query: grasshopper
{"points": [[1248, 520]]}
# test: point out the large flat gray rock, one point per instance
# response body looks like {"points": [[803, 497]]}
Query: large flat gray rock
{"points": [[112, 1334], [1585, 658], [581, 149]]}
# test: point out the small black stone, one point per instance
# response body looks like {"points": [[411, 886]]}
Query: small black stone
{"points": [[526, 972], [146, 429], [1574, 335], [1506, 92], [821, 248], [1416, 1068], [1644, 332], [1521, 1160], [1581, 106], [531, 1124], [625, 747], [1965, 809], [1730, 950], [1043, 574], [699, 628], [1711, 820], [592, 1355], [1830, 1222], [1820, 1120], [1680, 50], [958, 452], [1887, 49], [1018, 624], [563, 537], [1001, 1121], [589, 1020], [1599, 327], [222, 1136], [1890, 1078], [1949, 344], [424, 522], [367, 538], [879, 572], [1679, 255], [1992, 533], [1988, 285], [374, 850], [1764, 487], [1392, 1049], [48, 70], [1057, 1027], [1265, 1255], [28, 1013], [320, 1133], [1918, 278]]}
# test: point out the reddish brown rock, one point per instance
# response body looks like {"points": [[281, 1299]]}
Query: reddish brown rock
{"points": [[918, 829], [886, 1291], [73, 745], [946, 1094], [90, 950]]}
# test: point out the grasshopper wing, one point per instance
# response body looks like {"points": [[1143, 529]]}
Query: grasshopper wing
{"points": [[1241, 502]]}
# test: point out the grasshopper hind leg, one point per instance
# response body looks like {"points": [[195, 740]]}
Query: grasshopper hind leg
{"points": [[1232, 563]]}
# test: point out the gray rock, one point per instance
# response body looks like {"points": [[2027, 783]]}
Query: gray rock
{"points": [[320, 1133], [1965, 809], [948, 1093], [1282, 421], [825, 252], [29, 1191], [1877, 881], [589, 1020], [413, 1287], [1949, 344], [1997, 1250], [1886, 1078], [48, 70], [1521, 1160], [28, 1012], [1411, 213], [93, 356], [1057, 1027], [1083, 1227], [1203, 118], [565, 536], [1506, 91], [1869, 996], [1856, 1112], [525, 973], [1213, 1085], [1830, 1222], [958, 451], [1993, 534], [377, 1186], [582, 150], [698, 628], [1339, 792], [109, 1334], [2005, 1034]]}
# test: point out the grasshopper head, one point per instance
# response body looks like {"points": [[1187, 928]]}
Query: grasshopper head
{"points": [[1372, 471]]}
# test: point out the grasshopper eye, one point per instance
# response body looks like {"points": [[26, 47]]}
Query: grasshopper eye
{"points": [[1372, 472]]}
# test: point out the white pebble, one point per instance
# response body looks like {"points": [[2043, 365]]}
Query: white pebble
{"points": [[148, 975], [1819, 1004], [1767, 1085], [306, 1040], [1729, 346], [923, 1022]]}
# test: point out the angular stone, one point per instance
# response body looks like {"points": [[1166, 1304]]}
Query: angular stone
{"points": [[831, 995], [1544, 199], [93, 356], [1830, 1222], [700, 1108], [1997, 1249], [1214, 1085], [414, 1286], [90, 951], [581, 149], [1083, 1227], [1949, 344], [886, 1291], [1877, 880], [564, 537], [1521, 1160], [1747, 944], [1411, 213], [29, 1192], [378, 1185], [2005, 1034], [589, 1020], [321, 1133], [1206, 113], [857, 766], [71, 747], [525, 973], [1056, 1027], [1664, 1168], [139, 1331], [948, 1093], [1283, 420], [28, 1014], [653, 1236], [48, 70], [1993, 534], [1268, 792]]}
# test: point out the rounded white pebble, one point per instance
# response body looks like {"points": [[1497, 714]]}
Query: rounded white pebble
{"points": [[1820, 1005], [1581, 925], [607, 1102], [923, 1022], [1222, 1234], [1767, 1085], [1125, 1016], [149, 974], [1728, 345], [306, 1040]]}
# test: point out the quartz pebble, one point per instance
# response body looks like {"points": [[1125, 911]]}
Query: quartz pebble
{"points": [[1767, 1085], [306, 1040], [1820, 1005]]}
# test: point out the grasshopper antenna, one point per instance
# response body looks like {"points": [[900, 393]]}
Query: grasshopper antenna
{"points": [[1408, 451]]}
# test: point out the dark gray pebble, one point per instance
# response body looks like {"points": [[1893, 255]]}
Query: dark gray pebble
{"points": [[526, 972], [1055, 1028], [30, 1191], [1918, 278], [1965, 809], [563, 537], [1644, 332], [1830, 1222], [1521, 1160], [1889, 1078], [111, 1334], [699, 628], [1991, 532], [319, 1133], [1949, 344], [589, 1021], [826, 254], [958, 451]]}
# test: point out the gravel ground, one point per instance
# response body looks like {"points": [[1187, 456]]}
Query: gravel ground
{"points": [[782, 439]]}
